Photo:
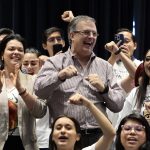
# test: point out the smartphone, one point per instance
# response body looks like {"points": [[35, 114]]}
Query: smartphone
{"points": [[119, 37], [57, 48]]}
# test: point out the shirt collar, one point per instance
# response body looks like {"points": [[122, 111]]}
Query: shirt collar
{"points": [[73, 56]]}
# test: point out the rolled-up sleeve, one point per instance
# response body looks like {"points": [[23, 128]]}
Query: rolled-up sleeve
{"points": [[39, 109]]}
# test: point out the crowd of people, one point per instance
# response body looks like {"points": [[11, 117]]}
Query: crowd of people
{"points": [[72, 99]]}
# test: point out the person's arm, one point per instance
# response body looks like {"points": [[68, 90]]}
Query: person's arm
{"points": [[42, 59], [127, 83], [128, 63], [112, 59], [105, 141], [51, 75], [32, 102]]}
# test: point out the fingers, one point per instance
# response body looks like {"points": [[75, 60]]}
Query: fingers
{"points": [[17, 68], [111, 47], [76, 99], [70, 71], [67, 73], [67, 16], [147, 105], [96, 82], [92, 77]]}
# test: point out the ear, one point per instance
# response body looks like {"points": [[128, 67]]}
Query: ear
{"points": [[71, 35], [135, 46], [78, 136], [63, 43], [44, 46]]}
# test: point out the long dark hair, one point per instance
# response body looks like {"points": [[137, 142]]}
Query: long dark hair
{"points": [[139, 118], [4, 42], [78, 144], [141, 91]]}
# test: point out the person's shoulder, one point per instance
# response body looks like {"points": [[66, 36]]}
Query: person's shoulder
{"points": [[101, 60], [134, 90], [24, 77], [58, 57], [137, 62]]}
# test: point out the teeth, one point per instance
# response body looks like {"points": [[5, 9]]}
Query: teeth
{"points": [[132, 139]]}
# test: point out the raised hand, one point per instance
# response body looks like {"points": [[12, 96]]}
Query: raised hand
{"points": [[67, 16], [14, 77], [111, 47]]}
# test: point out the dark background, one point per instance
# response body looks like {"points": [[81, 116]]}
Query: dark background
{"points": [[31, 17]]}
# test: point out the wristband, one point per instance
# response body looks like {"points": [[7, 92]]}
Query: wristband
{"points": [[118, 51], [23, 92], [105, 90]]}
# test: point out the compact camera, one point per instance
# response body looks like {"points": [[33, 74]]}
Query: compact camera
{"points": [[119, 37]]}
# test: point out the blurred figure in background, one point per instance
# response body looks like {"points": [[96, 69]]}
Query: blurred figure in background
{"points": [[4, 32], [53, 42], [31, 65]]}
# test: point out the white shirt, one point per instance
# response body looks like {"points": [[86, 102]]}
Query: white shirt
{"points": [[43, 131], [92, 147], [130, 104], [121, 72]]}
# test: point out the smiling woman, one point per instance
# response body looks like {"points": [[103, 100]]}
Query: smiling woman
{"points": [[18, 104]]}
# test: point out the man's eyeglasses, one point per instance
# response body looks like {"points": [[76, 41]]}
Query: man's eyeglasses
{"points": [[137, 128], [87, 33], [52, 39]]}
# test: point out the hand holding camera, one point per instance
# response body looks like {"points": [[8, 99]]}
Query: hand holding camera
{"points": [[113, 46], [119, 39]]}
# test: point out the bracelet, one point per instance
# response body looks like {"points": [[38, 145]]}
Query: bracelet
{"points": [[23, 92], [118, 51]]}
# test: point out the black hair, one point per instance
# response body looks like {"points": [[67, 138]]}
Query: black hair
{"points": [[139, 118], [33, 50], [78, 130], [49, 31], [127, 30], [141, 91], [6, 31]]}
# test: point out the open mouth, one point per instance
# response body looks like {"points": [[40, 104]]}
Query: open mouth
{"points": [[132, 140], [63, 138], [89, 44]]}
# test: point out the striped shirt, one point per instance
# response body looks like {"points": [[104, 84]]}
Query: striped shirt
{"points": [[48, 86]]}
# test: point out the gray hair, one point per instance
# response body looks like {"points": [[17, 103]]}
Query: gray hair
{"points": [[72, 25]]}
